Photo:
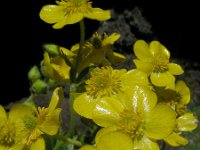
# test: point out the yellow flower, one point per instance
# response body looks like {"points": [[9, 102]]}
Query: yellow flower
{"points": [[12, 126], [186, 122], [137, 116], [154, 60], [70, 12], [55, 68], [177, 98], [47, 120], [107, 82], [98, 51]]}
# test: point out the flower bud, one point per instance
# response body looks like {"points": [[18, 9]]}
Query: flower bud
{"points": [[39, 86], [51, 49], [34, 74]]}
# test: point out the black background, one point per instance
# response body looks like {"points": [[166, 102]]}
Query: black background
{"points": [[175, 24]]}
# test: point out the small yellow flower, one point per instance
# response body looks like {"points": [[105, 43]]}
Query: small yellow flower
{"points": [[154, 60], [135, 115], [98, 51], [107, 82], [70, 12], [186, 122], [47, 120], [12, 126], [55, 68]]}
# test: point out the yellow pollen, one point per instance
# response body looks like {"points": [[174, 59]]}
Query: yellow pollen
{"points": [[130, 123], [104, 82], [7, 134], [160, 63]]}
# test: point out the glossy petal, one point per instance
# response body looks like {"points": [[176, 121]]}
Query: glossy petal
{"points": [[104, 131], [133, 77], [84, 105], [107, 111], [98, 14], [175, 69], [158, 49], [57, 96], [140, 99], [51, 123], [145, 143], [115, 141], [184, 91], [109, 40], [141, 50], [186, 122], [160, 122], [39, 144], [52, 13], [3, 115], [144, 66], [163, 79], [68, 19], [88, 147], [175, 140]]}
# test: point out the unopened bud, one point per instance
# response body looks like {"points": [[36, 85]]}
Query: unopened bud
{"points": [[39, 86], [34, 74], [51, 49]]}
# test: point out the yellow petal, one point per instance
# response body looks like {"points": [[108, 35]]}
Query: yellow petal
{"points": [[88, 147], [109, 40], [115, 141], [163, 79], [184, 91], [141, 50], [135, 76], [51, 123], [175, 140], [46, 66], [114, 58], [186, 122], [3, 115], [68, 19], [56, 97], [104, 131], [144, 66], [52, 13], [98, 14], [107, 111], [39, 144], [158, 49], [145, 143], [175, 69], [160, 122], [140, 99], [84, 105]]}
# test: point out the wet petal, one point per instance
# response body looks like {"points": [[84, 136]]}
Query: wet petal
{"points": [[52, 13], [175, 69], [145, 143], [186, 122], [115, 141], [84, 105], [163, 79], [68, 19], [144, 66], [175, 140], [141, 50], [160, 122], [107, 111], [98, 14]]}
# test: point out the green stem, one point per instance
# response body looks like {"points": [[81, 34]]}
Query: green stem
{"points": [[72, 122], [79, 55], [29, 101], [68, 140]]}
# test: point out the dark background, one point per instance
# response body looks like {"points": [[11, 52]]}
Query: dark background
{"points": [[23, 34]]}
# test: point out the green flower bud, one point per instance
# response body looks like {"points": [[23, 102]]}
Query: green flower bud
{"points": [[39, 86], [51, 49], [34, 74]]}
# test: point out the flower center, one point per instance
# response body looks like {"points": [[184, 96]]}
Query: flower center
{"points": [[30, 122], [7, 134], [104, 81], [130, 123], [96, 41], [160, 63]]}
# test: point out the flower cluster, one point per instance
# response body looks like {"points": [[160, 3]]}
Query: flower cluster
{"points": [[118, 108]]}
